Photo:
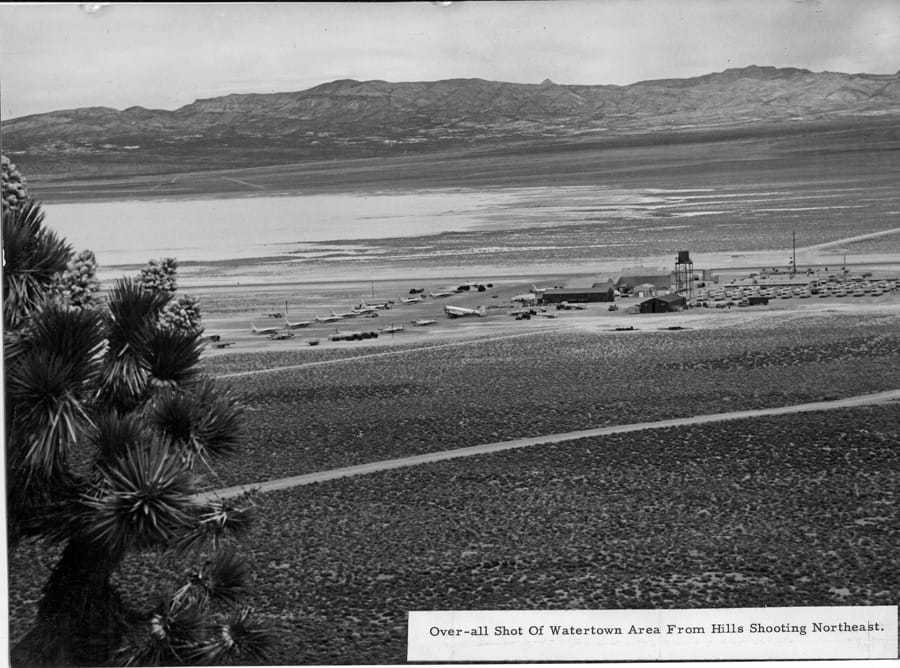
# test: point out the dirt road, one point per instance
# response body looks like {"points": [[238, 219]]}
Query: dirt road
{"points": [[385, 465]]}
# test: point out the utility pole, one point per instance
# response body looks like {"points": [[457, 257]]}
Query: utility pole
{"points": [[793, 253]]}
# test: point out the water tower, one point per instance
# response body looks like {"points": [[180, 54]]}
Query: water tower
{"points": [[684, 275]]}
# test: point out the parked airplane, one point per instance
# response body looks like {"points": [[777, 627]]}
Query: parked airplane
{"points": [[297, 325], [327, 318], [380, 306], [460, 312], [438, 295], [411, 300], [391, 329], [346, 314], [568, 306], [424, 322], [265, 330], [281, 336]]}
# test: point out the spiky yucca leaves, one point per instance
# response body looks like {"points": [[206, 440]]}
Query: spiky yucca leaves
{"points": [[34, 257], [185, 636], [201, 621], [173, 355], [47, 413], [114, 434], [51, 376], [70, 333], [131, 323], [89, 467], [201, 421], [235, 641], [169, 637], [52, 367], [143, 501], [220, 581], [216, 521]]}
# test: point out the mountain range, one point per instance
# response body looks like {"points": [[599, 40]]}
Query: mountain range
{"points": [[348, 118]]}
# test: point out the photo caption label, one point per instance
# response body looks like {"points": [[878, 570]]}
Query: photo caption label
{"points": [[851, 632]]}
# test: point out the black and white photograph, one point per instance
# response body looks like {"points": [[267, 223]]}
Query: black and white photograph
{"points": [[450, 332]]}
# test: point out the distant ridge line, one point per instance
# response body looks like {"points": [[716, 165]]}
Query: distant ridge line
{"points": [[745, 70], [354, 119]]}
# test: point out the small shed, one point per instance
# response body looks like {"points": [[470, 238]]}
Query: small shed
{"points": [[663, 304], [579, 295]]}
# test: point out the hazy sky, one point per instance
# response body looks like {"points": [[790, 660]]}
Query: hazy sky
{"points": [[69, 55]]}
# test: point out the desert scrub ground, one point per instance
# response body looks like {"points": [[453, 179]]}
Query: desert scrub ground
{"points": [[305, 420], [785, 511], [788, 511], [242, 362], [798, 510]]}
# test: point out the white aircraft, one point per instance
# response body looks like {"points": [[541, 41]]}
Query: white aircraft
{"points": [[297, 325], [281, 336], [461, 312], [327, 318], [411, 300], [438, 295], [424, 322], [265, 330], [391, 329], [380, 306]]}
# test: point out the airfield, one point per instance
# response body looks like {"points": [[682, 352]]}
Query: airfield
{"points": [[275, 308], [620, 498]]}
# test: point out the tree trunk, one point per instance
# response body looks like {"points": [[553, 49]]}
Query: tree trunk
{"points": [[80, 616]]}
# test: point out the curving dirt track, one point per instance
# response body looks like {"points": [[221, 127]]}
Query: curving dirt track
{"points": [[384, 465]]}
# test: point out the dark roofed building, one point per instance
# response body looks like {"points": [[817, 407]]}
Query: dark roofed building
{"points": [[579, 295], [658, 281], [663, 304]]}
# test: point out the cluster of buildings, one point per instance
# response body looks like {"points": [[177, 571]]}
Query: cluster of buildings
{"points": [[654, 284]]}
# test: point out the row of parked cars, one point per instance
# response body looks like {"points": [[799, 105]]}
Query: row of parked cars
{"points": [[747, 295]]}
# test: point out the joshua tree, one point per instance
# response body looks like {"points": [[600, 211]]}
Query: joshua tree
{"points": [[109, 423]]}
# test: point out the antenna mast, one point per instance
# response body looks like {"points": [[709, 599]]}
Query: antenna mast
{"points": [[793, 253]]}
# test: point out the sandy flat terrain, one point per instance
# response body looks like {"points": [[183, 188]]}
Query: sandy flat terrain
{"points": [[234, 327]]}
